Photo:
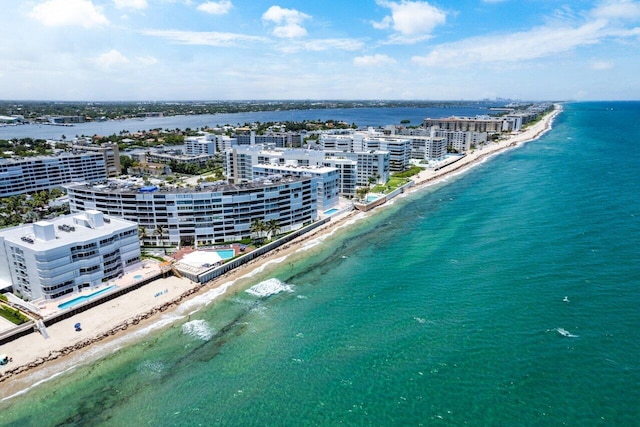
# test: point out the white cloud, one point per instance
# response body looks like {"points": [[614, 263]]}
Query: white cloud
{"points": [[287, 22], [618, 9], [412, 20], [211, 38], [110, 59], [216, 7], [321, 45], [56, 13], [373, 61], [130, 4], [601, 65], [521, 46]]}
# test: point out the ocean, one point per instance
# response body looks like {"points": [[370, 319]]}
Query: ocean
{"points": [[505, 295]]}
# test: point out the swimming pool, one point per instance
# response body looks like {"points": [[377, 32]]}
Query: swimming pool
{"points": [[84, 298], [226, 253], [331, 211], [373, 197], [138, 276]]}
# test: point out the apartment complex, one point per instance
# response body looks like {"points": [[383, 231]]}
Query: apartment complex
{"points": [[30, 174], [195, 145], [371, 165], [240, 163], [274, 139], [203, 215], [110, 152], [472, 124], [327, 180], [49, 259]]}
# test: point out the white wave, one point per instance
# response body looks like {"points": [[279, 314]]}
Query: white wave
{"points": [[269, 287], [198, 329], [566, 333]]}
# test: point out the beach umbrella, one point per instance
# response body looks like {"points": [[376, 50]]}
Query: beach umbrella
{"points": [[77, 326]]}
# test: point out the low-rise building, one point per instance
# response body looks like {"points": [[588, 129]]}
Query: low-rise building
{"points": [[49, 259]]}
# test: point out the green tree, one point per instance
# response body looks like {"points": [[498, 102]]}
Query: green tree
{"points": [[159, 232], [272, 227], [258, 228]]}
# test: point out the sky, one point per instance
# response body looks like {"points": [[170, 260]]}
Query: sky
{"points": [[158, 50]]}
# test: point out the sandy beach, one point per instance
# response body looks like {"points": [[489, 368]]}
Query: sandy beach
{"points": [[131, 317]]}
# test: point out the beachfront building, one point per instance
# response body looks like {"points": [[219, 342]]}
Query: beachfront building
{"points": [[427, 147], [399, 150], [371, 166], [460, 141], [348, 173], [49, 259], [31, 174], [241, 160], [471, 124], [327, 180], [202, 215]]}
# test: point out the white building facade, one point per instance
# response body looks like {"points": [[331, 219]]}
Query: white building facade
{"points": [[49, 259], [206, 214], [30, 174], [327, 180]]}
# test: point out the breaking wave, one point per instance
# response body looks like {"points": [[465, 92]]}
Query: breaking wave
{"points": [[198, 329], [269, 287]]}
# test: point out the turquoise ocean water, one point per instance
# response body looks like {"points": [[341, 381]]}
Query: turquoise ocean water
{"points": [[508, 295]]}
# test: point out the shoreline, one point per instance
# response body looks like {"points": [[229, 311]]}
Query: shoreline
{"points": [[137, 314]]}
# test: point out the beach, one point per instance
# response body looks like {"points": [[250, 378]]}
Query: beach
{"points": [[109, 326]]}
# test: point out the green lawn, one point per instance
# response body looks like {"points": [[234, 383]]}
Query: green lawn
{"points": [[13, 315], [397, 180]]}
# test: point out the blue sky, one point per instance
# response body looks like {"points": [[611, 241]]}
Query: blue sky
{"points": [[319, 49]]}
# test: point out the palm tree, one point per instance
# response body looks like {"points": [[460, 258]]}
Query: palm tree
{"points": [[142, 233], [272, 227], [159, 231], [257, 227]]}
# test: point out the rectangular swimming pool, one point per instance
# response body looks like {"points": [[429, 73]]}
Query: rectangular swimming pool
{"points": [[226, 253], [84, 298], [331, 211]]}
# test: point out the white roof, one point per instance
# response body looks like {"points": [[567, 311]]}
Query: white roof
{"points": [[200, 258]]}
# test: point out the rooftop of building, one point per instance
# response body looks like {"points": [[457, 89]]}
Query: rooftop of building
{"points": [[65, 230], [55, 156], [136, 186]]}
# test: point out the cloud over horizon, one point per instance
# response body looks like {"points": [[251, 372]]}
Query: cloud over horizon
{"points": [[220, 49]]}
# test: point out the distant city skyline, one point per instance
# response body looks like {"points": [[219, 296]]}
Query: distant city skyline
{"points": [[134, 50]]}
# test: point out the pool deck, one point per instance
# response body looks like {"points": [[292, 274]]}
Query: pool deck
{"points": [[149, 268]]}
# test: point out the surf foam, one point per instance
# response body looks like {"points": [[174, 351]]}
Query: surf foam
{"points": [[269, 287], [198, 329]]}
